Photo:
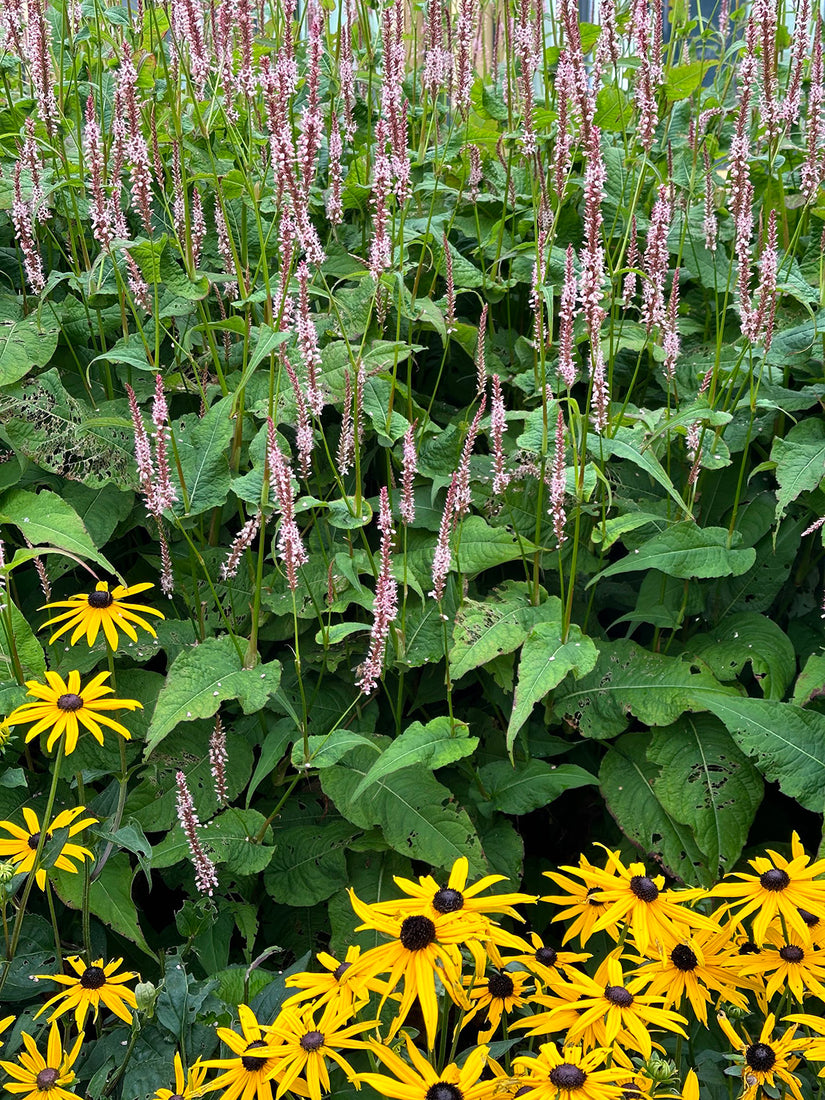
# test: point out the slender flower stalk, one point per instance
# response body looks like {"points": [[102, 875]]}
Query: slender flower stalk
{"points": [[408, 472], [670, 334], [567, 315], [656, 260], [218, 759], [101, 208], [481, 355], [812, 168], [558, 483], [448, 277], [243, 540], [462, 499], [498, 426], [21, 216], [709, 224], [443, 553], [334, 206], [206, 877], [385, 608], [308, 342], [290, 547]]}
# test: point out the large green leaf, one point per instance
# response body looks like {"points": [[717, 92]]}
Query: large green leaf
{"points": [[631, 446], [25, 343], [202, 447], [748, 637], [45, 517], [628, 680], [229, 838], [787, 743], [707, 783], [800, 461], [529, 785], [810, 683], [627, 780], [200, 679], [110, 898], [414, 811], [545, 661], [685, 550], [429, 746], [479, 546], [486, 629], [309, 862], [28, 649]]}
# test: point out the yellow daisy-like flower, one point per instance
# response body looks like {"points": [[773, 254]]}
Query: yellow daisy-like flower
{"points": [[418, 1080], [88, 613], [63, 706], [547, 964], [304, 1046], [42, 1078], [656, 916], [335, 983], [249, 1074], [556, 1074], [780, 888], [5, 1023], [94, 985], [23, 848], [766, 1059], [706, 963], [580, 901], [787, 964], [188, 1084], [421, 948], [496, 996]]}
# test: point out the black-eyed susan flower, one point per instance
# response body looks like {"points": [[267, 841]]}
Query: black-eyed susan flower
{"points": [[785, 963], [656, 916], [334, 983], [496, 996], [90, 612], [63, 706], [766, 1059], [248, 1075], [546, 963], [89, 988], [22, 848], [188, 1083], [555, 1074], [420, 949], [418, 1080], [780, 887], [708, 963], [304, 1043], [814, 1048], [581, 902], [42, 1078]]}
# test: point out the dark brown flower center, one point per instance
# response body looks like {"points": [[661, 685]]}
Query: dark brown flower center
{"points": [[547, 956], [619, 996], [567, 1076], [443, 1090], [340, 971], [69, 701], [93, 977], [594, 901], [644, 888], [750, 948], [775, 880], [101, 599], [417, 932], [683, 958], [500, 985], [176, 1096], [253, 1063], [809, 918], [46, 1079], [790, 953], [760, 1057], [448, 900], [313, 1040]]}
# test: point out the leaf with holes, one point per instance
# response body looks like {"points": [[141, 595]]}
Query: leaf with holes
{"points": [[748, 637]]}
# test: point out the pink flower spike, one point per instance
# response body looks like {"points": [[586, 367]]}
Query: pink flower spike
{"points": [[385, 607], [206, 877], [408, 471]]}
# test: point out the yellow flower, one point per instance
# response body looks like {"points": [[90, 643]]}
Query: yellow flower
{"points": [[546, 963], [417, 1080], [42, 1078], [22, 849], [498, 995], [780, 888], [570, 1074], [249, 1073], [303, 1047], [93, 985], [188, 1085], [89, 612], [767, 1058], [5, 1023], [335, 984], [421, 947], [580, 901], [789, 964], [63, 706]]}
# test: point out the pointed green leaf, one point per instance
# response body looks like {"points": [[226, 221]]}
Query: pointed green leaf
{"points": [[110, 898], [45, 517], [202, 444], [486, 629], [748, 637], [800, 461], [529, 785], [685, 550], [228, 838], [309, 863], [433, 746], [630, 445]]}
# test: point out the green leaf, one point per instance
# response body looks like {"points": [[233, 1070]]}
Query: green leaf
{"points": [[497, 625], [228, 838], [414, 811], [25, 343], [749, 637], [434, 745], [327, 749], [800, 461], [45, 517], [708, 783], [685, 550], [545, 661], [480, 546], [787, 743], [627, 781], [200, 679], [527, 786], [26, 645], [630, 445], [309, 863], [110, 898], [202, 444], [683, 80], [811, 681], [629, 680]]}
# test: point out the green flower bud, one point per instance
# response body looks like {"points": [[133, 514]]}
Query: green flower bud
{"points": [[145, 996]]}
